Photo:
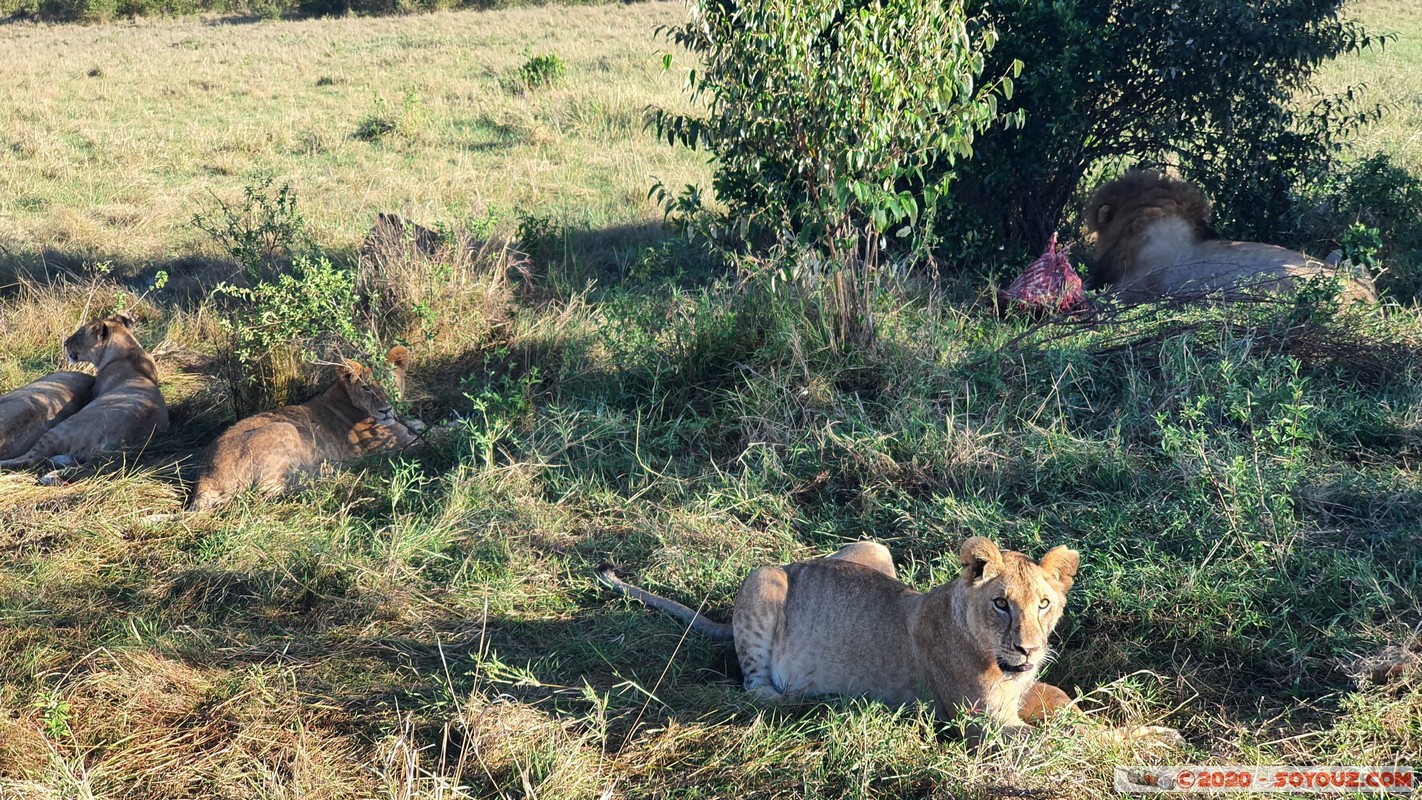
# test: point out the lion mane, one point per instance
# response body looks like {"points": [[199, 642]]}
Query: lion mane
{"points": [[1119, 212], [1153, 240]]}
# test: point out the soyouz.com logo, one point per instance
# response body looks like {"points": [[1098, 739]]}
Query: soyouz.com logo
{"points": [[1192, 778]]}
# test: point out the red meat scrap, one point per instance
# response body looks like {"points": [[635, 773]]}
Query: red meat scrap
{"points": [[1048, 286]]}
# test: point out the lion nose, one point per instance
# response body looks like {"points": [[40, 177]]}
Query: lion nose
{"points": [[1025, 650]]}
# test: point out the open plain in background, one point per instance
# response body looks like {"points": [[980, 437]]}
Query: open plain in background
{"points": [[1249, 510]]}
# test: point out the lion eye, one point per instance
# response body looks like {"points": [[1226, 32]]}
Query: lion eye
{"points": [[1001, 603], [1045, 603]]}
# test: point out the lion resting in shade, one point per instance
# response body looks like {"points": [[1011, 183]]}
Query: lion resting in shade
{"points": [[1154, 241]]}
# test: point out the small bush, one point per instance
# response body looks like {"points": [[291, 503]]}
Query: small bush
{"points": [[1360, 245], [821, 113], [273, 9], [95, 11], [543, 70], [261, 233], [405, 122], [293, 307], [540, 237], [308, 314], [1372, 210]]}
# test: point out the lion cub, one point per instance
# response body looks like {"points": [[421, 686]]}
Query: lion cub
{"points": [[127, 409], [844, 624], [27, 412], [274, 449]]}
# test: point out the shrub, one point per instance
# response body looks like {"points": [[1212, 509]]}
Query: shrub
{"points": [[307, 314], [1372, 211], [273, 9], [95, 11], [541, 70], [819, 113], [293, 308], [405, 122], [260, 234], [540, 238], [1211, 87]]}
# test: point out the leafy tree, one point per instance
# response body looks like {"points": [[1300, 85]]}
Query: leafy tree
{"points": [[1220, 89]]}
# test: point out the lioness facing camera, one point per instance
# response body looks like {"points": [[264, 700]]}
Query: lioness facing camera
{"points": [[844, 624]]}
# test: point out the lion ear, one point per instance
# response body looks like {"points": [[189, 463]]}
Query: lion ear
{"points": [[100, 330], [1060, 563], [350, 370], [122, 319], [981, 559], [398, 357], [1103, 214]]}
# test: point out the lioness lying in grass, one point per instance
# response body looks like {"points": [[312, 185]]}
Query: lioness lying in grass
{"points": [[845, 625]]}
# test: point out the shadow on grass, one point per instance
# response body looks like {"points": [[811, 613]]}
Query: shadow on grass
{"points": [[568, 260], [190, 276], [545, 662]]}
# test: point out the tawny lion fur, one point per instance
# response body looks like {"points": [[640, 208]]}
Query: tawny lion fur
{"points": [[1154, 241], [845, 625], [28, 412], [127, 409], [273, 450]]}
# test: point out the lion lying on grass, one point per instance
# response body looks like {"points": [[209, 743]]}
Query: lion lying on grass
{"points": [[1154, 242], [845, 625], [273, 450], [127, 409], [28, 412]]}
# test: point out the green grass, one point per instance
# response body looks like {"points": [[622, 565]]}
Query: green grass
{"points": [[1389, 74], [1244, 493]]}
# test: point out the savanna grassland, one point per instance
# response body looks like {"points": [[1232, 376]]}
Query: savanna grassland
{"points": [[120, 133], [1245, 497], [1389, 74]]}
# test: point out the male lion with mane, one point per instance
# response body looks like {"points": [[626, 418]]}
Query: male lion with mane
{"points": [[1154, 242]]}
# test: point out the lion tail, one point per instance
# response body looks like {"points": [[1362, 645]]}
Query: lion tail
{"points": [[720, 631]]}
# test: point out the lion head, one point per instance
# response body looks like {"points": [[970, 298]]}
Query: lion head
{"points": [[1119, 211], [1013, 602], [367, 393], [91, 341]]}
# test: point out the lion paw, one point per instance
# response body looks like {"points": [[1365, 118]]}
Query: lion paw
{"points": [[765, 692], [53, 478], [1132, 733]]}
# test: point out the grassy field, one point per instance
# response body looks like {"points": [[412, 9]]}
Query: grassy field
{"points": [[123, 132], [1246, 499], [1390, 74]]}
